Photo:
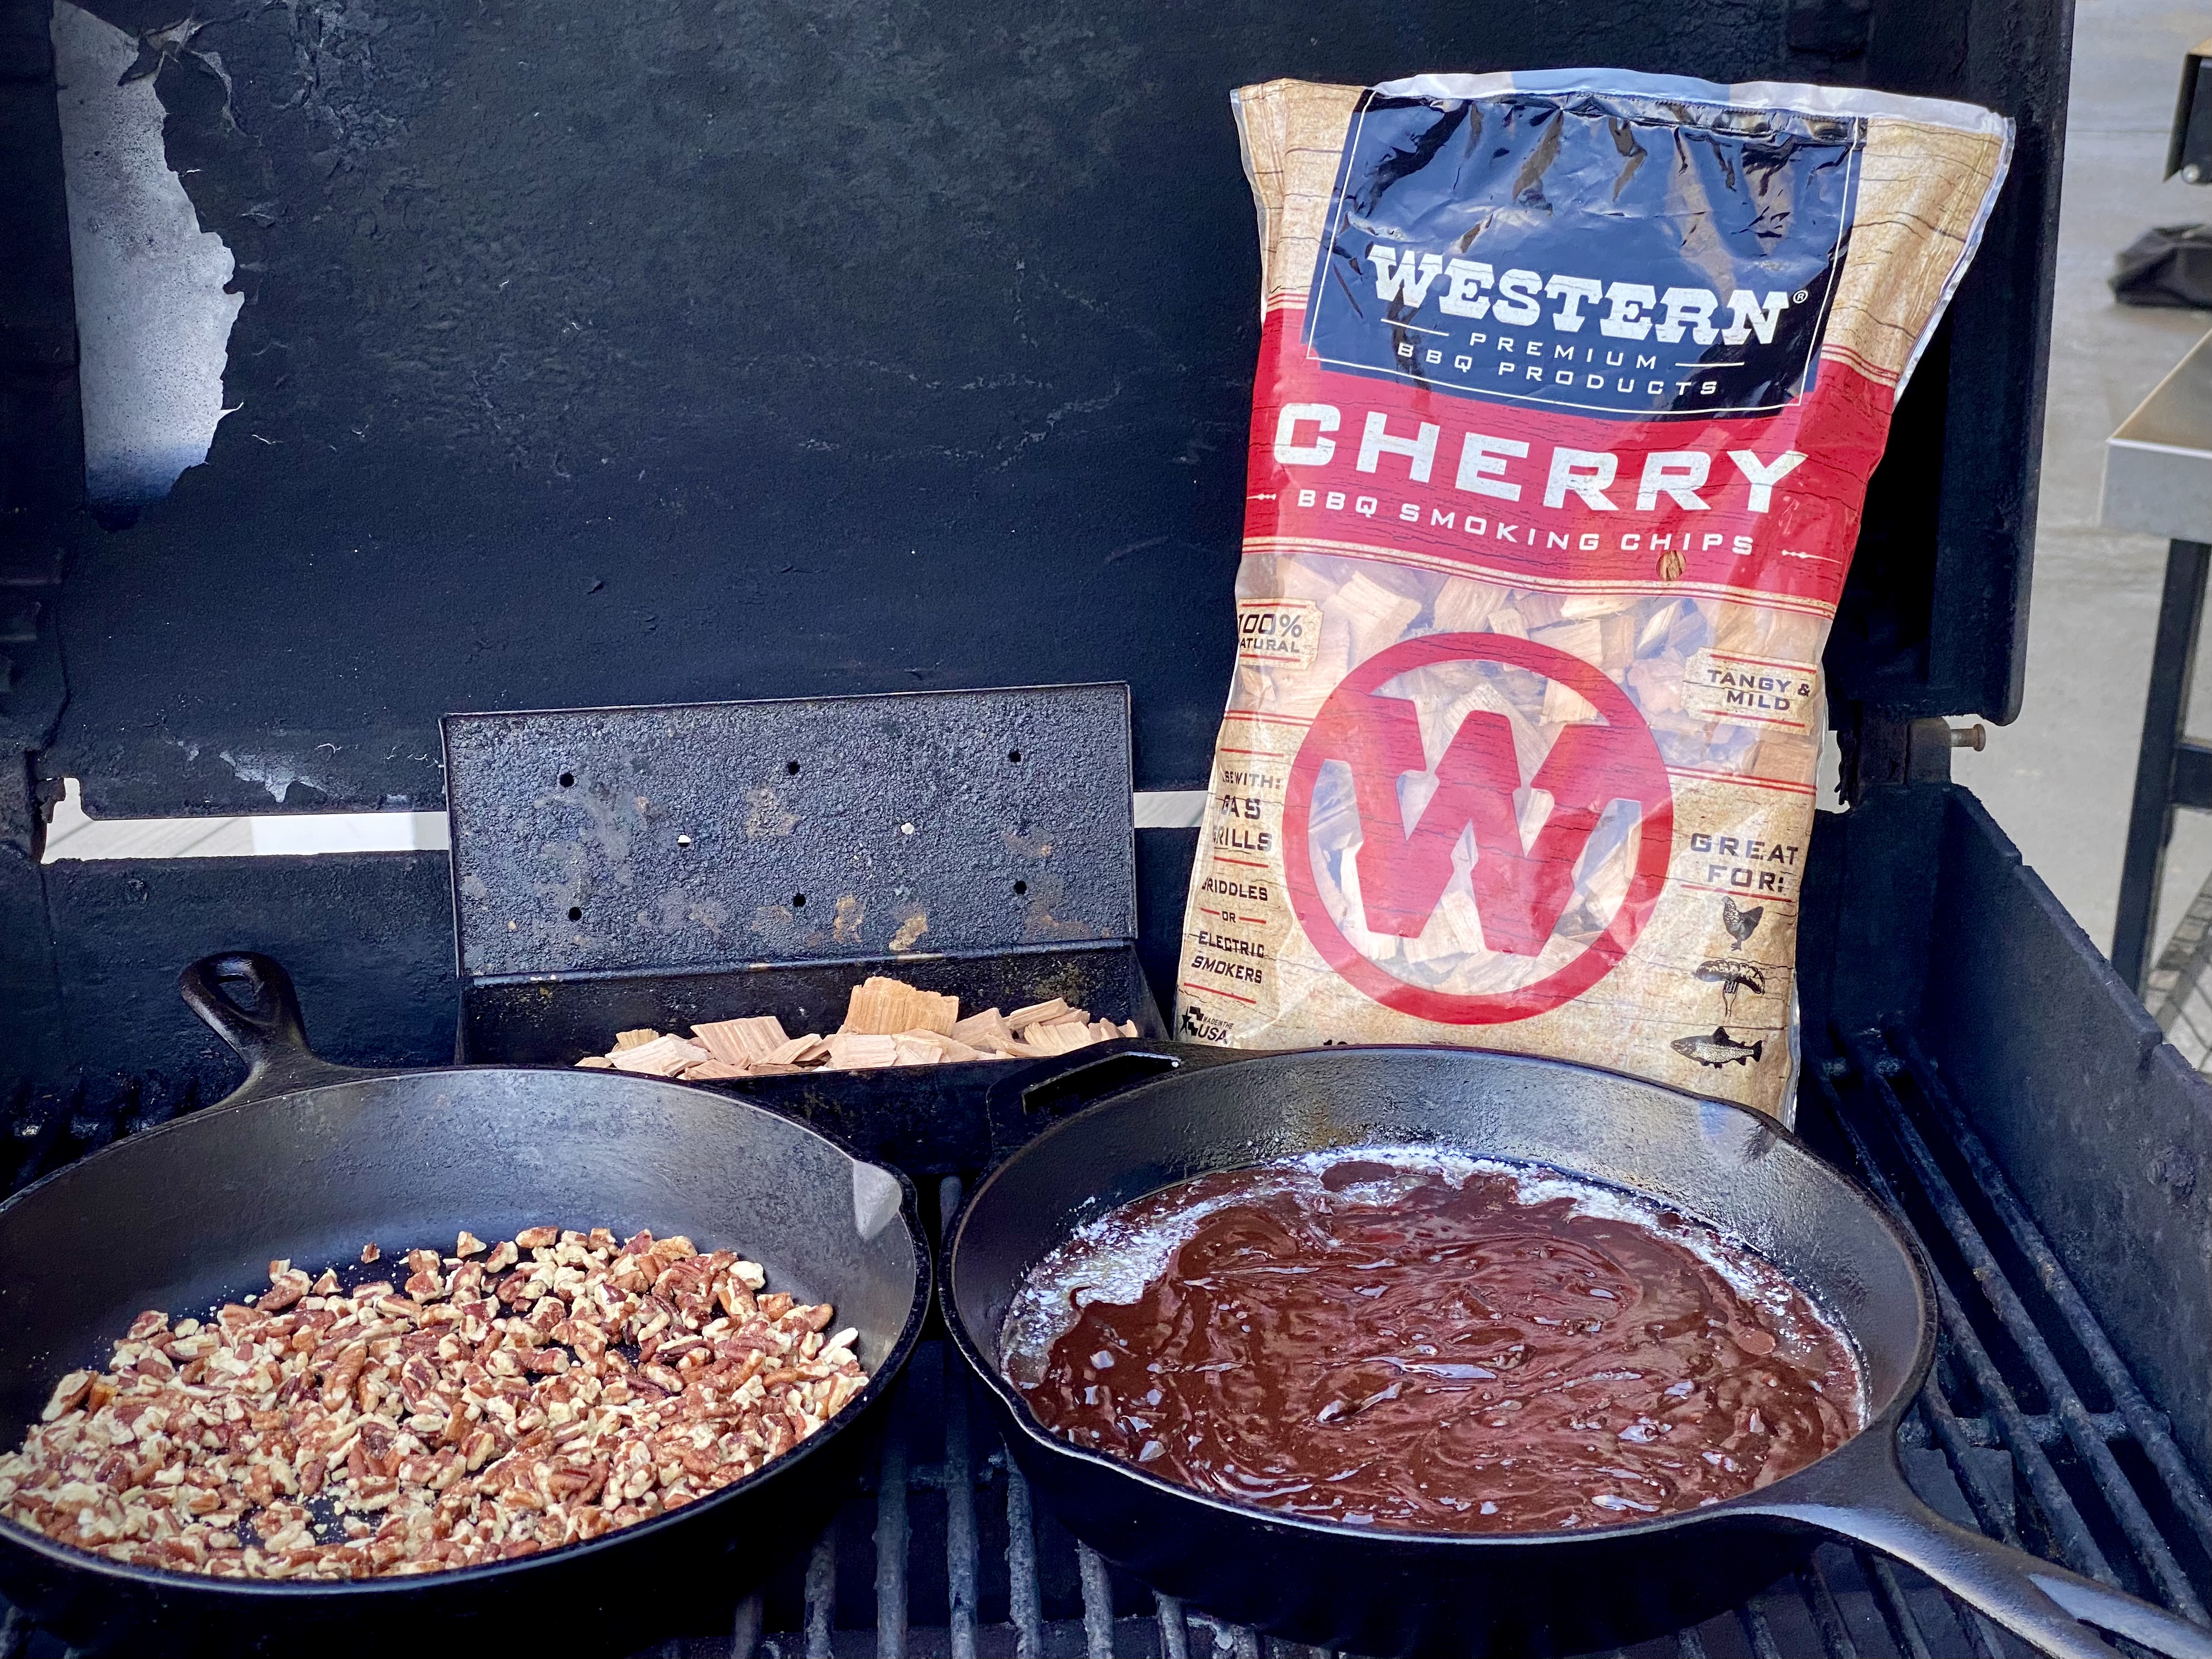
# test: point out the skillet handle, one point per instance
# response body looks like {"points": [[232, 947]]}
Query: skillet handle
{"points": [[2044, 1605], [266, 1028], [1040, 1092]]}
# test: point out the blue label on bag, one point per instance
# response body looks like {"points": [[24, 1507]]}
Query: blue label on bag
{"points": [[1605, 254]]}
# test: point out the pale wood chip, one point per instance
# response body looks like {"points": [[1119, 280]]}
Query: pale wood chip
{"points": [[1057, 1038], [1105, 1030], [914, 1051], [940, 1046], [597, 1063], [854, 1051], [934, 1011], [1128, 1028], [637, 1039], [798, 1051], [951, 1047], [738, 1041], [1069, 1017], [1022, 1018], [869, 1011], [714, 1070], [985, 1030], [882, 1006], [662, 1057]]}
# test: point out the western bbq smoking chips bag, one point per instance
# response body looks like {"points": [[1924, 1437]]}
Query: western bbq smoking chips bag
{"points": [[1570, 385]]}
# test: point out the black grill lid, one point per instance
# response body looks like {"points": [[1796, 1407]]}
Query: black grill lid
{"points": [[672, 349]]}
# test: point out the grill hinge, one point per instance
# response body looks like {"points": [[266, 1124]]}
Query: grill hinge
{"points": [[1882, 750]]}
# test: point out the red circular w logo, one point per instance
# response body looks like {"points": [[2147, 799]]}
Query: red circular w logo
{"points": [[1520, 890]]}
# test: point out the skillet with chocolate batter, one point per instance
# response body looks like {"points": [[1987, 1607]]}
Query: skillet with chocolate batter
{"points": [[1395, 1338]]}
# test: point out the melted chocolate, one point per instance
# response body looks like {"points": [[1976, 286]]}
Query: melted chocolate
{"points": [[1397, 1340]]}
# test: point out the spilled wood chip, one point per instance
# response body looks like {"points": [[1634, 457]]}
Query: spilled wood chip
{"points": [[740, 1041], [888, 1022], [662, 1057]]}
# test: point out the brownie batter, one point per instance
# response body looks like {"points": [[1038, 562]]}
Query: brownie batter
{"points": [[1395, 1338]]}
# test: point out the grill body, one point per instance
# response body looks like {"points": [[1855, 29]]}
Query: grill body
{"points": [[1971, 1060], [974, 417]]}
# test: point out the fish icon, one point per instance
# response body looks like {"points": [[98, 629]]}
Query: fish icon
{"points": [[1732, 974], [1741, 923], [1719, 1049]]}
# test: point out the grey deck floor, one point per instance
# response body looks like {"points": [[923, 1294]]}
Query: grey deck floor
{"points": [[2060, 777]]}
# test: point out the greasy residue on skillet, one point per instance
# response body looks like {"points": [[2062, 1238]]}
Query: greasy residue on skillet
{"points": [[1402, 1338]]}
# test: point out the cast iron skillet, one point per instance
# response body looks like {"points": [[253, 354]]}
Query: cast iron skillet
{"points": [[311, 1160], [1384, 1592]]}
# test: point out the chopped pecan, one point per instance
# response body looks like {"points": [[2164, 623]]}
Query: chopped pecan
{"points": [[471, 1434], [146, 1324], [285, 1289], [68, 1394]]}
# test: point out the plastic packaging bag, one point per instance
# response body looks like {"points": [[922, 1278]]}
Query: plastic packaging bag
{"points": [[1569, 386]]}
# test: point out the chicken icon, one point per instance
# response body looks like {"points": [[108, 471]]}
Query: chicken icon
{"points": [[1741, 923]]}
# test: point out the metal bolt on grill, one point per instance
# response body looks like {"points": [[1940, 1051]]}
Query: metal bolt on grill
{"points": [[2030, 1427]]}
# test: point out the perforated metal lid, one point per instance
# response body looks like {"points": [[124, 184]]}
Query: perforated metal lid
{"points": [[619, 840]]}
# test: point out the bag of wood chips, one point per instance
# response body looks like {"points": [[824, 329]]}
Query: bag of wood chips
{"points": [[1570, 385]]}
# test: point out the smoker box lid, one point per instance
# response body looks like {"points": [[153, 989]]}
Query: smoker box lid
{"points": [[610, 840]]}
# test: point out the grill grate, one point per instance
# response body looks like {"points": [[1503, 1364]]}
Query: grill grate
{"points": [[2030, 1427]]}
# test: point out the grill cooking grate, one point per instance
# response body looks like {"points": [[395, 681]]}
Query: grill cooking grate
{"points": [[2030, 1427]]}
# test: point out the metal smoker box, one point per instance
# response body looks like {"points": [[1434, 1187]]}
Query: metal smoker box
{"points": [[615, 868]]}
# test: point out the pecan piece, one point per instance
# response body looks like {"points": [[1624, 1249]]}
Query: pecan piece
{"points": [[146, 1324], [285, 1288], [68, 1394]]}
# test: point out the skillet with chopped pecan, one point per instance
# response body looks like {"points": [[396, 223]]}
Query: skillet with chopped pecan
{"points": [[502, 1401]]}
